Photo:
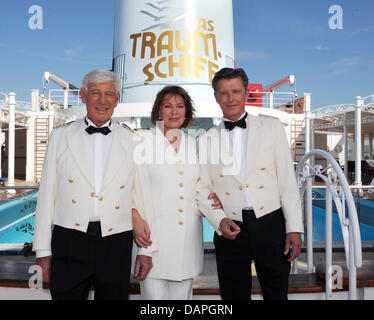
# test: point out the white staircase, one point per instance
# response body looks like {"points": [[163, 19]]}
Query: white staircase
{"points": [[298, 139], [41, 142]]}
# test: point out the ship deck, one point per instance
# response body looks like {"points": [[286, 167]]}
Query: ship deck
{"points": [[14, 274]]}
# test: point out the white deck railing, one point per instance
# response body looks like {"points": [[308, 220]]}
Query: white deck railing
{"points": [[337, 189], [271, 100], [62, 99]]}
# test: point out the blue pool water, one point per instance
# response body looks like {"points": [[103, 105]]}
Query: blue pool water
{"points": [[19, 210], [319, 232], [22, 231]]}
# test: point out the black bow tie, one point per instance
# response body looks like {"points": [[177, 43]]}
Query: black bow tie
{"points": [[92, 129], [103, 130], [229, 125]]}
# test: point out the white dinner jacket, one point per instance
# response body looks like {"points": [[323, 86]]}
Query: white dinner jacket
{"points": [[270, 181], [176, 224], [67, 187]]}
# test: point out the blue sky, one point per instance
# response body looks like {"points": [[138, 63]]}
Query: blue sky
{"points": [[273, 39]]}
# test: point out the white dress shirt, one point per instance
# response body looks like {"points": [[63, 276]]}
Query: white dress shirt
{"points": [[99, 145], [238, 138]]}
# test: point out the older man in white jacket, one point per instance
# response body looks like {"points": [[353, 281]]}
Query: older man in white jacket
{"points": [[83, 225]]}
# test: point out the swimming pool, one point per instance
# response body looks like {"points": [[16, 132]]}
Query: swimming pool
{"points": [[319, 230], [17, 222]]}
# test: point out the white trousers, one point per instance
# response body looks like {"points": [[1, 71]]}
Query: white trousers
{"points": [[158, 289]]}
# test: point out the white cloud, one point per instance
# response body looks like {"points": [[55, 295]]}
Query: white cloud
{"points": [[362, 30], [71, 52], [319, 47], [346, 65]]}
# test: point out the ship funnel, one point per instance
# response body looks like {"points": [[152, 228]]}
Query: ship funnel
{"points": [[181, 42]]}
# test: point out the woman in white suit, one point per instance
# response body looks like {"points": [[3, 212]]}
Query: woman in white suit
{"points": [[176, 227]]}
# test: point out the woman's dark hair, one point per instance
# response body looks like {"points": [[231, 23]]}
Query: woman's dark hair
{"points": [[187, 101]]}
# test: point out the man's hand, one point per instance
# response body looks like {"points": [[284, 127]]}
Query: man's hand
{"points": [[45, 264], [229, 228], [293, 239], [143, 265]]}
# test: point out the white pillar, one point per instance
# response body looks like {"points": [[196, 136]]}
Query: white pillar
{"points": [[307, 100], [271, 100], [2, 140], [363, 146], [345, 146], [308, 194], [30, 149], [51, 118], [11, 138], [312, 139], [66, 98], [358, 107], [35, 100], [328, 245]]}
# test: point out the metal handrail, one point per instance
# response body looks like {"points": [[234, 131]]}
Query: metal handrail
{"points": [[19, 187], [64, 100], [337, 188]]}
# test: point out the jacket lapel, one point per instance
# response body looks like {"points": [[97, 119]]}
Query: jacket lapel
{"points": [[252, 143], [117, 156], [78, 144], [227, 160]]}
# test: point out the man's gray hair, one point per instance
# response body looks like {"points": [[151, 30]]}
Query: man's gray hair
{"points": [[101, 76]]}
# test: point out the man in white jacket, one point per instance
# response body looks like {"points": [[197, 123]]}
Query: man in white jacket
{"points": [[83, 226], [246, 160]]}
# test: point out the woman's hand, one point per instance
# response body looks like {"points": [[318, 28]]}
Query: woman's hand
{"points": [[216, 202], [141, 231]]}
